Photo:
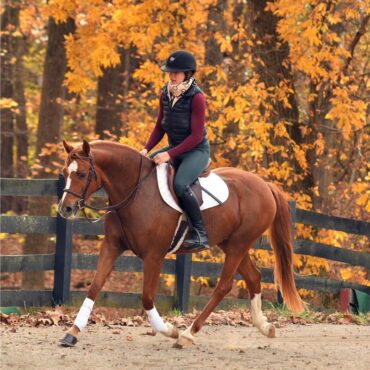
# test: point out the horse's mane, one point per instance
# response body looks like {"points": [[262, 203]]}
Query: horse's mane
{"points": [[106, 144]]}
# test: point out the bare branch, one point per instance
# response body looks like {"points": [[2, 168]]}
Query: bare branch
{"points": [[355, 41]]}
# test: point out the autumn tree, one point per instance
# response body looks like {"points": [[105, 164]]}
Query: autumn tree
{"points": [[113, 91], [48, 132], [8, 25], [270, 56], [14, 127], [270, 70], [216, 23], [20, 123], [323, 39], [285, 83]]}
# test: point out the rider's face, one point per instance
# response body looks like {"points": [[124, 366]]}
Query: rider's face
{"points": [[176, 77]]}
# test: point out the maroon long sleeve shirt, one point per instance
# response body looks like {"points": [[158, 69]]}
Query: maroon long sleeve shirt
{"points": [[197, 122]]}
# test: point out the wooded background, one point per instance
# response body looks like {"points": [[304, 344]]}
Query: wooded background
{"points": [[286, 83]]}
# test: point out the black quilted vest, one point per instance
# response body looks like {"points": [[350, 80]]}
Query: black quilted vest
{"points": [[176, 120]]}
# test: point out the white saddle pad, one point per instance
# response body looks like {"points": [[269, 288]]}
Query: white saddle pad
{"points": [[212, 183]]}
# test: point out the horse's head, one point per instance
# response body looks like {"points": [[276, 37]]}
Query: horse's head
{"points": [[81, 179]]}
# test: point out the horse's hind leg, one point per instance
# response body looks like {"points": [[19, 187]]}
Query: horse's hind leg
{"points": [[107, 257], [252, 277], [232, 261]]}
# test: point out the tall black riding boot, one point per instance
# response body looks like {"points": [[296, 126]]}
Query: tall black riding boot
{"points": [[197, 238]]}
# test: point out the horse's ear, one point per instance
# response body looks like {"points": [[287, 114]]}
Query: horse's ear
{"points": [[67, 147], [86, 148]]}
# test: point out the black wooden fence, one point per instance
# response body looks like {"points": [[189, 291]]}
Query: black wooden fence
{"points": [[63, 261]]}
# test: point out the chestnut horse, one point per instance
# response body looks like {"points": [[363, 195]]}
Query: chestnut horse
{"points": [[142, 222]]}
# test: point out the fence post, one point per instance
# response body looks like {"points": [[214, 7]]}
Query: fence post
{"points": [[293, 217], [63, 254], [183, 275]]}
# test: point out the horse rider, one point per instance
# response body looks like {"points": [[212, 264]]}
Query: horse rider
{"points": [[181, 116]]}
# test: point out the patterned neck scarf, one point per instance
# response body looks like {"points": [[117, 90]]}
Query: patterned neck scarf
{"points": [[176, 91]]}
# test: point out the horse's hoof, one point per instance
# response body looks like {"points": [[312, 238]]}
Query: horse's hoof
{"points": [[170, 331], [185, 338], [183, 341], [175, 332], [68, 340], [271, 331]]}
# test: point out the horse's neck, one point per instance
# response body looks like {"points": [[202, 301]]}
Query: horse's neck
{"points": [[120, 172]]}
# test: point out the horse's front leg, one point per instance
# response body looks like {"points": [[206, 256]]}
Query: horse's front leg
{"points": [[152, 269], [108, 255]]}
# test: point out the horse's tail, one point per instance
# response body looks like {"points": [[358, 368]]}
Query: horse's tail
{"points": [[281, 240]]}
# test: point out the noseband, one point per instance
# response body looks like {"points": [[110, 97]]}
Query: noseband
{"points": [[115, 207]]}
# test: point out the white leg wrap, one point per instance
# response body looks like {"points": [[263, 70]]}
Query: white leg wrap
{"points": [[84, 313], [259, 320], [155, 320]]}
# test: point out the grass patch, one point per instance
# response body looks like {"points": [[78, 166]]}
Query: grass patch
{"points": [[174, 312]]}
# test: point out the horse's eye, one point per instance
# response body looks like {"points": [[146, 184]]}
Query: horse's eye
{"points": [[81, 175]]}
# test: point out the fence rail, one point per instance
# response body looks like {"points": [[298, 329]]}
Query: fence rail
{"points": [[48, 225], [332, 222], [63, 261]]}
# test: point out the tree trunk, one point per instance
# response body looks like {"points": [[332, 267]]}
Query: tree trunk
{"points": [[21, 134], [238, 66], [48, 132], [269, 57], [7, 92], [321, 165], [271, 64], [113, 88], [215, 23]]}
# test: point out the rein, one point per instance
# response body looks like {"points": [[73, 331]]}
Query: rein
{"points": [[109, 209]]}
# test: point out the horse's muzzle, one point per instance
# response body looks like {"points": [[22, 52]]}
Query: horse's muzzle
{"points": [[67, 211]]}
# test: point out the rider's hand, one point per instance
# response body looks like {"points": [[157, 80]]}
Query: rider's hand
{"points": [[143, 152], [161, 158]]}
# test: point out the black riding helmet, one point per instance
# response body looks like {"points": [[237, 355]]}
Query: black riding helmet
{"points": [[180, 61]]}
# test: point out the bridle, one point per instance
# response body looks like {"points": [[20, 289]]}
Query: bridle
{"points": [[81, 205], [92, 174]]}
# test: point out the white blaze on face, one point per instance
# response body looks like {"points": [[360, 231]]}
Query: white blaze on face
{"points": [[73, 167]]}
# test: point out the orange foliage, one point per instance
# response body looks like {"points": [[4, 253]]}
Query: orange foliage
{"points": [[319, 35]]}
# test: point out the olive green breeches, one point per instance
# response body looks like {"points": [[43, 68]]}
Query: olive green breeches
{"points": [[188, 166]]}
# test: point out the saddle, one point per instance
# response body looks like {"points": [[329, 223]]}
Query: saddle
{"points": [[195, 186]]}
